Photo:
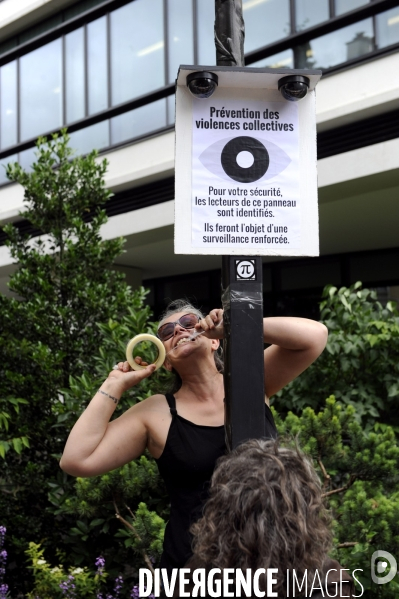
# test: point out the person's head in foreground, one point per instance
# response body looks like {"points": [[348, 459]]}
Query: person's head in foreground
{"points": [[265, 511]]}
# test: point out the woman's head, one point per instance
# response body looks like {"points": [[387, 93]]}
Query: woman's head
{"points": [[180, 305], [177, 308], [265, 511]]}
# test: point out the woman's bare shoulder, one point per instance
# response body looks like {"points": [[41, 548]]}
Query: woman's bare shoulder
{"points": [[154, 402]]}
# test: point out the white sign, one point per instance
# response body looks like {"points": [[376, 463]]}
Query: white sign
{"points": [[246, 166], [245, 175]]}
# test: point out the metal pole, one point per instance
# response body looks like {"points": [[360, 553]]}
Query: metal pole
{"points": [[229, 33], [241, 285]]}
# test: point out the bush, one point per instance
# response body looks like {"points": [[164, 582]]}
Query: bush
{"points": [[360, 365], [63, 289]]}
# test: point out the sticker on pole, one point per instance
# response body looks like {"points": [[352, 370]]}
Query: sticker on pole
{"points": [[245, 270]]}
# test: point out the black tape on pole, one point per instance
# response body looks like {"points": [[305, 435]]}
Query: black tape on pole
{"points": [[242, 301]]}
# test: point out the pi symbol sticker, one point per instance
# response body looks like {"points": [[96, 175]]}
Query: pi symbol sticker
{"points": [[245, 270]]}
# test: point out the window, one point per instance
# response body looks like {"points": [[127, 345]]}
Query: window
{"points": [[8, 104], [132, 51], [342, 6], [310, 12], [135, 123], [387, 25], [75, 75], [97, 71], [336, 47], [265, 22], [137, 51], [205, 32], [277, 61], [41, 90], [180, 36]]}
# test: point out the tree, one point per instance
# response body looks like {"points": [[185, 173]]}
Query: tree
{"points": [[63, 287], [68, 323], [120, 515], [359, 473], [360, 365]]}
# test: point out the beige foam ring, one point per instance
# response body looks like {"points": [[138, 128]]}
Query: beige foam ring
{"points": [[138, 339]]}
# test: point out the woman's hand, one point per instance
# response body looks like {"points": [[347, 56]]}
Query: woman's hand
{"points": [[126, 378], [212, 324]]}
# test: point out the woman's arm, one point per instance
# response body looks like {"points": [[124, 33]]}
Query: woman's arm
{"points": [[294, 344], [95, 445]]}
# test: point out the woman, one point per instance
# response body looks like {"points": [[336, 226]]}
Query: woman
{"points": [[265, 510], [183, 432]]}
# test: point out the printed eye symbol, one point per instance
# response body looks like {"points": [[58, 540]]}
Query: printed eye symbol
{"points": [[244, 159]]}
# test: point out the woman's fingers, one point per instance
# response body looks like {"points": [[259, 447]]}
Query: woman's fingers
{"points": [[124, 366], [129, 378], [140, 361], [144, 372], [211, 322]]}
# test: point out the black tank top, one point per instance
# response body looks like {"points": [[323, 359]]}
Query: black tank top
{"points": [[186, 465]]}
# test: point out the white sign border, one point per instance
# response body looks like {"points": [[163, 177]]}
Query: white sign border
{"points": [[307, 166]]}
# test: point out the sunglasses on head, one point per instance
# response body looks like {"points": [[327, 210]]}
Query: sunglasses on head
{"points": [[187, 321]]}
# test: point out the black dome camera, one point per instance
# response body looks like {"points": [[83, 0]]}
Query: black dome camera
{"points": [[293, 87], [202, 84]]}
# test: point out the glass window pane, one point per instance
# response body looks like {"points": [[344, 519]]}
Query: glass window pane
{"points": [[137, 49], [311, 12], [75, 75], [265, 22], [277, 61], [3, 164], [171, 101], [205, 32], [93, 137], [8, 104], [27, 158], [41, 90], [342, 6], [180, 33], [97, 65], [388, 27], [138, 122], [336, 47]]}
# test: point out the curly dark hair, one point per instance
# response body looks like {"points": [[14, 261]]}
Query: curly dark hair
{"points": [[265, 510]]}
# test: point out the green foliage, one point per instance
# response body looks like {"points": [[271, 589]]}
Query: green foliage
{"points": [[96, 500], [68, 323], [144, 533], [64, 289], [359, 473], [360, 365], [47, 579]]}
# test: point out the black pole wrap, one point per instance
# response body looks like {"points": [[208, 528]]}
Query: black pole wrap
{"points": [[242, 285], [242, 301], [229, 33]]}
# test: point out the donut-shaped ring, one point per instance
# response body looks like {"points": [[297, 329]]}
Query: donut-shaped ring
{"points": [[138, 339], [244, 143]]}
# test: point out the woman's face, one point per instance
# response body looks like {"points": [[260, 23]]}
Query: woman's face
{"points": [[179, 345], [181, 334]]}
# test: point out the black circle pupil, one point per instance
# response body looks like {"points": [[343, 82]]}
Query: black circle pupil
{"points": [[243, 174]]}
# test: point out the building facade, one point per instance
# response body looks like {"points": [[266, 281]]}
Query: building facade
{"points": [[106, 69]]}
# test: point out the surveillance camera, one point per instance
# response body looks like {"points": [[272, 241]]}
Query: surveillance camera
{"points": [[293, 87], [202, 84]]}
